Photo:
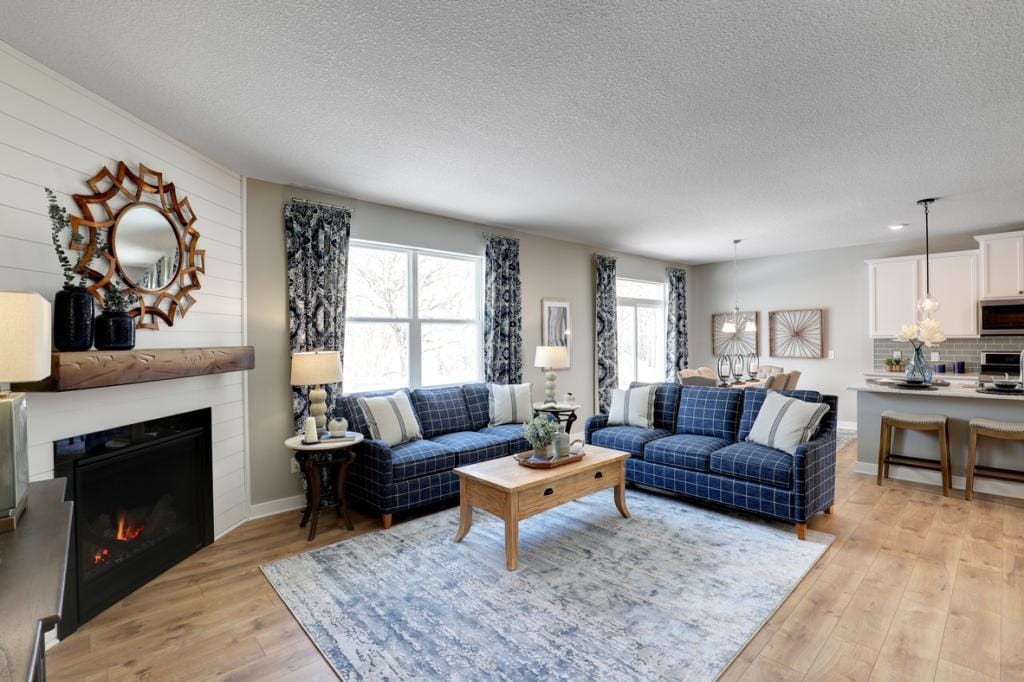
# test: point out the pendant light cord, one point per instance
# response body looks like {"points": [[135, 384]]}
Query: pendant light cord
{"points": [[927, 249], [735, 281]]}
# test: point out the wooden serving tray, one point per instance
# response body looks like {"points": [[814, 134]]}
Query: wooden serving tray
{"points": [[550, 464]]}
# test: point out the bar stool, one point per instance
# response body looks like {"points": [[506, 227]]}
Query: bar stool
{"points": [[992, 428], [891, 419]]}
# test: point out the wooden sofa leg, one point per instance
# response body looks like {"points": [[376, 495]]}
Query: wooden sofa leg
{"points": [[801, 531], [386, 519], [831, 508]]}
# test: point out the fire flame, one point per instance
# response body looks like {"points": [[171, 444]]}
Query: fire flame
{"points": [[100, 555], [125, 530]]}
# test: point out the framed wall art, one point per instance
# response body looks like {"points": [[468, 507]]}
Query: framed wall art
{"points": [[796, 333], [556, 324], [740, 342]]}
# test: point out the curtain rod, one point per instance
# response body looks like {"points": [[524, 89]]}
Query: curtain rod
{"points": [[320, 203], [501, 236]]}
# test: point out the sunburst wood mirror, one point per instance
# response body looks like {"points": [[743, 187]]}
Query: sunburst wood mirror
{"points": [[135, 232]]}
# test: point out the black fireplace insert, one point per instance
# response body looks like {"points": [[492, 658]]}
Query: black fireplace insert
{"points": [[143, 498]]}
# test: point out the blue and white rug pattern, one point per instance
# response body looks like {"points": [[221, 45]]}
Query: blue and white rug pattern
{"points": [[675, 592]]}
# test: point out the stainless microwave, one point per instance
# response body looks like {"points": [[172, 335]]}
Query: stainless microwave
{"points": [[1001, 317]]}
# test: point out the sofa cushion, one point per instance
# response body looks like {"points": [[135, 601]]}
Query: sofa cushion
{"points": [[753, 462], [684, 451], [391, 418], [511, 434], [509, 403], [472, 446], [705, 411], [421, 458], [627, 438], [666, 404], [476, 402], [753, 398], [441, 410]]}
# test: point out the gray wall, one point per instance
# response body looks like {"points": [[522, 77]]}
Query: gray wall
{"points": [[835, 280], [550, 269]]}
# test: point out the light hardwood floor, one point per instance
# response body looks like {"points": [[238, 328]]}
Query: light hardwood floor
{"points": [[916, 587]]}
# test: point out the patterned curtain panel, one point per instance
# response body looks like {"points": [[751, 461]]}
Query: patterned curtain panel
{"points": [[677, 349], [503, 312], [316, 239], [605, 342]]}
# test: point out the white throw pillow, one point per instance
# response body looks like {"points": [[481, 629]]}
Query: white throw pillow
{"points": [[391, 418], [509, 403], [784, 423], [634, 407]]}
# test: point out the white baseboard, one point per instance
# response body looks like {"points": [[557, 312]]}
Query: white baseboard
{"points": [[849, 426], [981, 485], [283, 504]]}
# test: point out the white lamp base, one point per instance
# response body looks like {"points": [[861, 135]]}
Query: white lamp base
{"points": [[318, 406], [549, 386]]}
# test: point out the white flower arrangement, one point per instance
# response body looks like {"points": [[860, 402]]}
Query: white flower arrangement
{"points": [[924, 333]]}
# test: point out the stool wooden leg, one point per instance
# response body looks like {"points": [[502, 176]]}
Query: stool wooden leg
{"points": [[972, 460], [883, 451], [944, 460]]}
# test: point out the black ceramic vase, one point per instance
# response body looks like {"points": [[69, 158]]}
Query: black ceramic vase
{"points": [[115, 331], [72, 319]]}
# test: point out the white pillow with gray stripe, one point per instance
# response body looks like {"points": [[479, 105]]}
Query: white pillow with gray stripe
{"points": [[634, 407], [785, 423], [391, 418], [509, 403]]}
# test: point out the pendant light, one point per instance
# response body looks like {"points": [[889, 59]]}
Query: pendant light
{"points": [[732, 324], [928, 305]]}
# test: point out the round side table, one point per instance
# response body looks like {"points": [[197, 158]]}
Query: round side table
{"points": [[315, 461], [565, 414]]}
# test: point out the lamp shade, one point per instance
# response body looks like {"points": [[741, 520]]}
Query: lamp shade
{"points": [[25, 323], [316, 368], [551, 357]]}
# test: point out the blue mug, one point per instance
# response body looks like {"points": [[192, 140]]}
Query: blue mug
{"points": [[940, 369]]}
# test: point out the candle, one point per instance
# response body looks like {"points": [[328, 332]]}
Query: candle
{"points": [[310, 434]]}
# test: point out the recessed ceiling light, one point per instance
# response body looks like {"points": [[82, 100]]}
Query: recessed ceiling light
{"points": [[897, 226]]}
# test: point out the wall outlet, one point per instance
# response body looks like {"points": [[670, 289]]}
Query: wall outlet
{"points": [[295, 467], [831, 355], [935, 356]]}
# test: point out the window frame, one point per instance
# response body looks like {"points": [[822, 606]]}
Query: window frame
{"points": [[636, 303], [412, 318]]}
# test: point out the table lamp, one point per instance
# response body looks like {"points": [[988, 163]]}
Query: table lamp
{"points": [[24, 356], [550, 358], [316, 368]]}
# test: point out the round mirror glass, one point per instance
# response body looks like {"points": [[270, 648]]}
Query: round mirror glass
{"points": [[145, 243]]}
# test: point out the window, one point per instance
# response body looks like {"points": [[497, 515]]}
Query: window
{"points": [[413, 318], [640, 326]]}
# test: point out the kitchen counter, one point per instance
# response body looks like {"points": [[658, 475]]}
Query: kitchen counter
{"points": [[898, 376], [969, 391], [959, 402]]}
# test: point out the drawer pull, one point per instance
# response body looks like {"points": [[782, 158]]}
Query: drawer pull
{"points": [[599, 474], [549, 491]]}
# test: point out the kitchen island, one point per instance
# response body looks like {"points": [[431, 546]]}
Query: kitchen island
{"points": [[961, 403]]}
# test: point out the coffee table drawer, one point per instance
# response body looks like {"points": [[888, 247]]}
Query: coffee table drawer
{"points": [[550, 495]]}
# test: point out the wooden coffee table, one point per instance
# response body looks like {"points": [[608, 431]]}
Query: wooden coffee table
{"points": [[513, 492]]}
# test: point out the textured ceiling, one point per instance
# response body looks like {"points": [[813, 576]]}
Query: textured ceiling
{"points": [[658, 128]]}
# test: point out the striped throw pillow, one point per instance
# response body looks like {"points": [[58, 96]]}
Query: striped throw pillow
{"points": [[390, 418], [634, 407], [509, 403], [785, 423]]}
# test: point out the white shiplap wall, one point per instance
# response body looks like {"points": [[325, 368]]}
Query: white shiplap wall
{"points": [[56, 134]]}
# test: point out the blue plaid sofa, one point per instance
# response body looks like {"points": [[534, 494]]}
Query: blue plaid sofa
{"points": [[418, 473], [698, 448]]}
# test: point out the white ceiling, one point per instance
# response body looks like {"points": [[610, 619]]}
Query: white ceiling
{"points": [[664, 129]]}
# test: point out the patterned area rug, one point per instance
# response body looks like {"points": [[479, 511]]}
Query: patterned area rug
{"points": [[675, 592], [844, 437]]}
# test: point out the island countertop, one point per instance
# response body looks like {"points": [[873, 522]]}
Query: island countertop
{"points": [[956, 390]]}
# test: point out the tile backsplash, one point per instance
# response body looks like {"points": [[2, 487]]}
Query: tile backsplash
{"points": [[951, 350]]}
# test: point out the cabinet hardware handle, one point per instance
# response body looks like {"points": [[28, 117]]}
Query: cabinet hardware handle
{"points": [[599, 475], [549, 491]]}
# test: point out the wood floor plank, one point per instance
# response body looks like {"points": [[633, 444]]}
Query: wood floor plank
{"points": [[1011, 661], [972, 640], [912, 645], [842, 660]]}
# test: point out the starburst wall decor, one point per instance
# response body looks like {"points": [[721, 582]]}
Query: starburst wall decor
{"points": [[795, 333]]}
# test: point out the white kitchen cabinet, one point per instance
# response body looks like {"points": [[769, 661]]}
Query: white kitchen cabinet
{"points": [[954, 283], [895, 285], [1002, 264], [893, 293]]}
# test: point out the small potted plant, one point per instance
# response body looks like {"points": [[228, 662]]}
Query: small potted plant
{"points": [[72, 305], [115, 328], [540, 432]]}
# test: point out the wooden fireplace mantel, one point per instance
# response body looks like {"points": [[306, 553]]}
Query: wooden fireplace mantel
{"points": [[96, 368]]}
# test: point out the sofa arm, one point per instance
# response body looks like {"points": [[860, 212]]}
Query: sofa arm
{"points": [[595, 422], [814, 473], [375, 461]]}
